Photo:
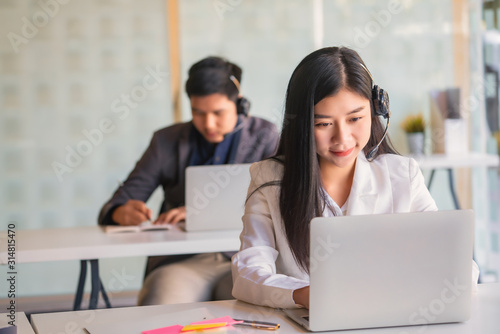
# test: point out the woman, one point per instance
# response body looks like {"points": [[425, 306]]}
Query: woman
{"points": [[331, 125]]}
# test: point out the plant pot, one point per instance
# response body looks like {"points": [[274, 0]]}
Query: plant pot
{"points": [[416, 143]]}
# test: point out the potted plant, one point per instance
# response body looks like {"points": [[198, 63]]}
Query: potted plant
{"points": [[414, 126]]}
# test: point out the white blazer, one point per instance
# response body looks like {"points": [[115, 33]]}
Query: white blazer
{"points": [[264, 270]]}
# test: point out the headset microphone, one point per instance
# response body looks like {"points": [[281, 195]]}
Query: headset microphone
{"points": [[380, 103], [374, 150], [236, 128]]}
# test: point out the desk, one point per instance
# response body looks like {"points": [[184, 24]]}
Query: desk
{"points": [[22, 323], [448, 162], [91, 243], [484, 318]]}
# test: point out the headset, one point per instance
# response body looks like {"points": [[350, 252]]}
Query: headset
{"points": [[242, 107], [242, 104], [380, 105]]}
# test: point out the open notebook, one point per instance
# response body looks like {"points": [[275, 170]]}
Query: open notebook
{"points": [[147, 226]]}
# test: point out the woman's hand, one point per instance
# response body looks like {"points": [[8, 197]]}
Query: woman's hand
{"points": [[172, 216], [301, 296]]}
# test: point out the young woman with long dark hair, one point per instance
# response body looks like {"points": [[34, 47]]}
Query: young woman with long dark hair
{"points": [[326, 165]]}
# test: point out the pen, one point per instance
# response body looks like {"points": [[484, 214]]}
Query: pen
{"points": [[120, 183], [258, 324]]}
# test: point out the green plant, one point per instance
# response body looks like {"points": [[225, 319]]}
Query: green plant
{"points": [[497, 137], [413, 123]]}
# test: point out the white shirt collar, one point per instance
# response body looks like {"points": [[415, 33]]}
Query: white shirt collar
{"points": [[338, 211]]}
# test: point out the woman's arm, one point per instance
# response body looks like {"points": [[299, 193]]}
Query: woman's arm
{"points": [[421, 199], [256, 272]]}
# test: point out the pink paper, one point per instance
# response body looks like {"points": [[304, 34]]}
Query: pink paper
{"points": [[230, 321], [176, 329]]}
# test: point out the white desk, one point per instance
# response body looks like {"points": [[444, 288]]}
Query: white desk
{"points": [[85, 243], [91, 243], [448, 162], [22, 323], [485, 317]]}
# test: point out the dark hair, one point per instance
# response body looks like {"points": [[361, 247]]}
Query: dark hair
{"points": [[213, 75], [321, 74]]}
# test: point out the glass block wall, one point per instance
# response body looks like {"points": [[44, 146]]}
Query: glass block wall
{"points": [[266, 38], [83, 84]]}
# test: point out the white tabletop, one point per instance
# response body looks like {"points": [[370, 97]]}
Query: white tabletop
{"points": [[471, 159], [484, 319], [85, 243], [22, 323]]}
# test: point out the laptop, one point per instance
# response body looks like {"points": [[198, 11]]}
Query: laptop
{"points": [[215, 196], [389, 270]]}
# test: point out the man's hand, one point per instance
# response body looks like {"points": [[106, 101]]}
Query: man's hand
{"points": [[133, 212], [172, 216]]}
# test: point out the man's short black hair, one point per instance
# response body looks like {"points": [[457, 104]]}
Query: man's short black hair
{"points": [[213, 75]]}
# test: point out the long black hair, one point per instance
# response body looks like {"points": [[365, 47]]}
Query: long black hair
{"points": [[321, 74]]}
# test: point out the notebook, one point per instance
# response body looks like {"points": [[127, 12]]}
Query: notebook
{"points": [[215, 196], [389, 270], [147, 226]]}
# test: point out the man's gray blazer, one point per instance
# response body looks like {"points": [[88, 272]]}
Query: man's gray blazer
{"points": [[165, 160]]}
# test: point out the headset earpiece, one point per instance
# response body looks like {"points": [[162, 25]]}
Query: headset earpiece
{"points": [[243, 106], [380, 102]]}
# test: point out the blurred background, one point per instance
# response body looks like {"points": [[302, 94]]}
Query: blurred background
{"points": [[85, 83]]}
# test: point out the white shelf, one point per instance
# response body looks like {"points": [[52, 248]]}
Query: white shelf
{"points": [[469, 159]]}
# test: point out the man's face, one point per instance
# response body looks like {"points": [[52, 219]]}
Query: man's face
{"points": [[213, 116]]}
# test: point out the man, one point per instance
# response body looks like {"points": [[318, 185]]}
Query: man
{"points": [[220, 132]]}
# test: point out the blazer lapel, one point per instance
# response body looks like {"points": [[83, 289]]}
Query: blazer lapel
{"points": [[184, 149], [364, 195], [244, 145]]}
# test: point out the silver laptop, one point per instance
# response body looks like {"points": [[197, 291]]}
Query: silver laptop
{"points": [[215, 196], [389, 270]]}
